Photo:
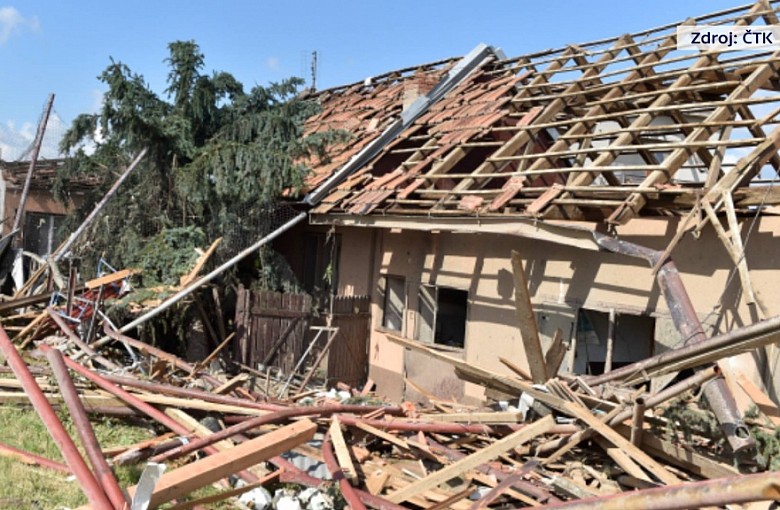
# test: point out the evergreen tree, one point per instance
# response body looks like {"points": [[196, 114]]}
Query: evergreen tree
{"points": [[218, 159]]}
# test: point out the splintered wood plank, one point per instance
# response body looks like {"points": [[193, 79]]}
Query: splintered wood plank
{"points": [[527, 322], [376, 481], [202, 259], [196, 427], [762, 401], [486, 454], [622, 459], [390, 438], [109, 278], [514, 368], [555, 354], [232, 384], [182, 481], [341, 450], [622, 443]]}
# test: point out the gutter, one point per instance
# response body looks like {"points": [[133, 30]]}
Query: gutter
{"points": [[468, 64]]}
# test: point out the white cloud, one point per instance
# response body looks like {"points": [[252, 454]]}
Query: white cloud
{"points": [[273, 63], [12, 23]]}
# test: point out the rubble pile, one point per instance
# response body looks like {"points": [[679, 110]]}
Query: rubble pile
{"points": [[572, 442]]}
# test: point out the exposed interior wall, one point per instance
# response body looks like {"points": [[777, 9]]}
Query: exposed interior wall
{"points": [[37, 201], [562, 280]]}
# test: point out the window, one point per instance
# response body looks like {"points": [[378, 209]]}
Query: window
{"points": [[320, 266], [41, 232], [394, 303], [632, 338], [442, 315]]}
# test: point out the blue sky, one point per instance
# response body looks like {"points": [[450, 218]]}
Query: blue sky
{"points": [[61, 47]]}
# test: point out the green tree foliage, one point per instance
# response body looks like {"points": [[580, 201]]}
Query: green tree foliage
{"points": [[218, 159]]}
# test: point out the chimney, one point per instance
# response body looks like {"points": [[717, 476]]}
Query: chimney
{"points": [[418, 85]]}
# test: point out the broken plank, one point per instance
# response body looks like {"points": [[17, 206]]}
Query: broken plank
{"points": [[187, 505], [516, 369], [202, 259], [762, 401], [390, 438], [182, 481], [109, 278], [376, 481], [447, 503], [621, 442], [196, 427], [527, 322], [475, 459], [555, 354], [622, 459], [341, 450], [232, 384]]}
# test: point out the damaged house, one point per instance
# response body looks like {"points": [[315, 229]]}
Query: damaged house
{"points": [[624, 187]]}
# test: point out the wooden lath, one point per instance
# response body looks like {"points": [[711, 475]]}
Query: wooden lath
{"points": [[596, 131]]}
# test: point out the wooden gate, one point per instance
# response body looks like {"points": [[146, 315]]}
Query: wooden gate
{"points": [[271, 328], [348, 356]]}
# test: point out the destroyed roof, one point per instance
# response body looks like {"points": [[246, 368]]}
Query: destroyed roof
{"points": [[44, 175], [601, 131]]}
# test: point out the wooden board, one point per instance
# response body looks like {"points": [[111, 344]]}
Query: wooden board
{"points": [[527, 322], [475, 459], [341, 450], [182, 481], [109, 278]]}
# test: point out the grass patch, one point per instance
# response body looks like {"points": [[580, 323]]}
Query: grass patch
{"points": [[37, 488]]}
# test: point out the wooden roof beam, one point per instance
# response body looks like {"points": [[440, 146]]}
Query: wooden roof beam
{"points": [[678, 157], [585, 124]]}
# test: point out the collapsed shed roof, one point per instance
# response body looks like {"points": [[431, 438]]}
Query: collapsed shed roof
{"points": [[602, 131], [44, 175]]}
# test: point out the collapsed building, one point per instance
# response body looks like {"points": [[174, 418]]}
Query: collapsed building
{"points": [[593, 218], [606, 166]]}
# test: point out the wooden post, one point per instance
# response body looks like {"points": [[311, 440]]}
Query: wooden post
{"points": [[33, 160], [527, 323]]}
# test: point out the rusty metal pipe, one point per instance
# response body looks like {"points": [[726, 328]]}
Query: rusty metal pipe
{"points": [[142, 406], [97, 498], [239, 428], [687, 323], [31, 458], [672, 391], [167, 389], [444, 428], [207, 396], [84, 429], [710, 493], [638, 421]]}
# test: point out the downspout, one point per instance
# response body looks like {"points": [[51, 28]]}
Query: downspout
{"points": [[690, 328], [472, 61]]}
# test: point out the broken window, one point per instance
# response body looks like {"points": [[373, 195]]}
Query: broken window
{"points": [[442, 315], [321, 267], [629, 337], [394, 302], [41, 232]]}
